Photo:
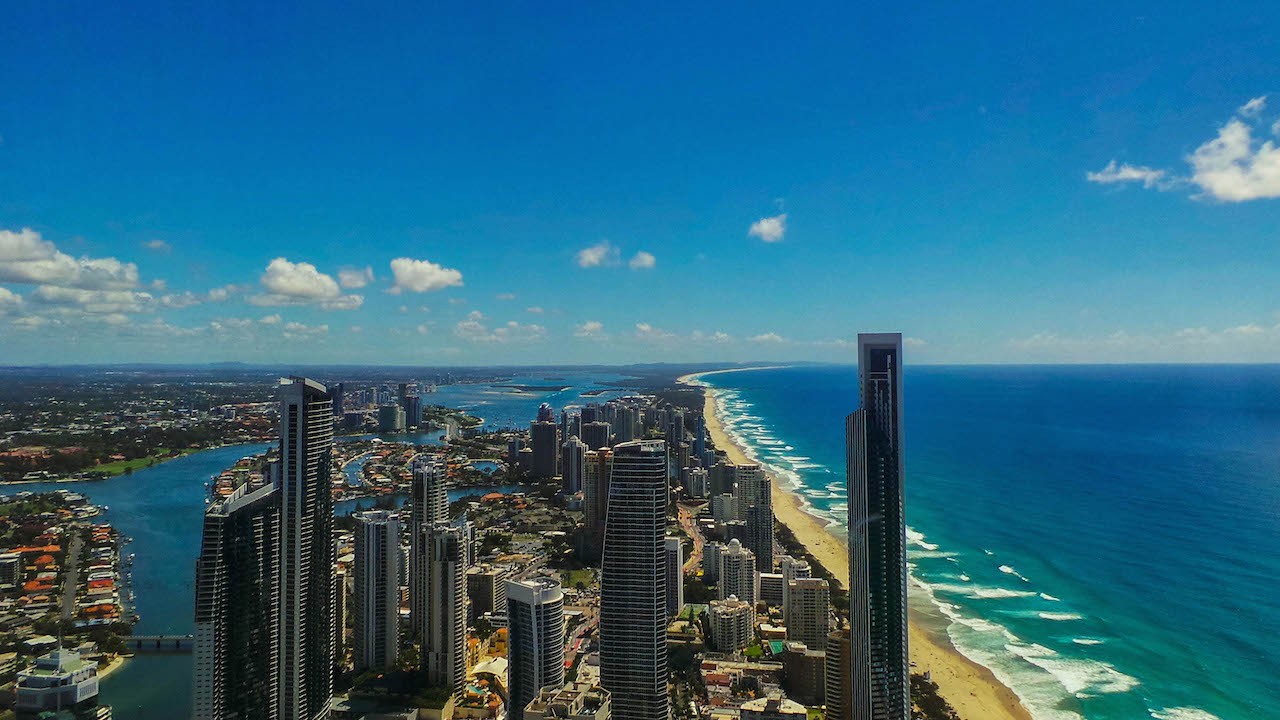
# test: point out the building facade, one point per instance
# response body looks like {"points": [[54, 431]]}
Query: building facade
{"points": [[377, 592], [430, 506], [880, 684], [535, 627], [675, 575], [737, 573], [445, 638], [808, 611], [307, 630], [731, 622], [633, 612], [237, 609]]}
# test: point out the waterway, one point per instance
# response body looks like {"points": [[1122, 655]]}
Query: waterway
{"points": [[161, 509]]}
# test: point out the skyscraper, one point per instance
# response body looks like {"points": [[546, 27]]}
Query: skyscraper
{"points": [[755, 507], [307, 629], [633, 613], [573, 455], [544, 437], [595, 434], [237, 606], [430, 506], [445, 636], [880, 684], [535, 622], [595, 493], [675, 575], [808, 612], [377, 595]]}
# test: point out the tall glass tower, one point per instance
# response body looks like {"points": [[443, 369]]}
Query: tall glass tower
{"points": [[633, 586], [307, 630], [881, 675], [535, 621]]}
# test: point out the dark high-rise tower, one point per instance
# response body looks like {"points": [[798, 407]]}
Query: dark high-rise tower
{"points": [[544, 436], [633, 586], [307, 630], [237, 606], [880, 684]]}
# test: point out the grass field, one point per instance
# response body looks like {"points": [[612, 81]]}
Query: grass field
{"points": [[586, 576], [119, 467]]}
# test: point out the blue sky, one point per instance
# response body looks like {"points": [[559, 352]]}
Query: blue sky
{"points": [[1002, 184]]}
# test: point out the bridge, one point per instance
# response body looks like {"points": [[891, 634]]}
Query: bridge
{"points": [[159, 643]]}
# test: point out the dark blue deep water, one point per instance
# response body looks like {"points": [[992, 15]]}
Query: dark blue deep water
{"points": [[1106, 539]]}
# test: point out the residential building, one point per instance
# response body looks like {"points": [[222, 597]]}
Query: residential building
{"points": [[675, 575], [377, 593], [445, 634], [544, 437], [804, 672], [772, 708], [535, 655], [486, 591], [731, 622], [737, 573], [61, 680], [808, 611], [573, 458], [430, 506], [839, 674]]}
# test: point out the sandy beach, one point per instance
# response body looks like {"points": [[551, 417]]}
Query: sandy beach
{"points": [[972, 689], [113, 665]]}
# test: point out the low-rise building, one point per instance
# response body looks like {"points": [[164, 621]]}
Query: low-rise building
{"points": [[772, 708], [60, 680], [574, 701]]}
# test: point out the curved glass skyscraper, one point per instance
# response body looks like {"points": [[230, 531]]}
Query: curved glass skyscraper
{"points": [[633, 586]]}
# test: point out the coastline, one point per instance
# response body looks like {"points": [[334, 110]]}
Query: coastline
{"points": [[972, 689], [112, 665]]}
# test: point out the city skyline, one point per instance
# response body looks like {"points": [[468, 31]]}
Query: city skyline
{"points": [[412, 200]]}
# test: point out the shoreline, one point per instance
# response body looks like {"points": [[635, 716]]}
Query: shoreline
{"points": [[972, 689], [111, 666]]}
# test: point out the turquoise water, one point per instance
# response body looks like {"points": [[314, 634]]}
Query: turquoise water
{"points": [[161, 508], [1106, 539]]}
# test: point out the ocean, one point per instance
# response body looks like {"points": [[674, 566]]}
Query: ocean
{"points": [[1105, 539]]}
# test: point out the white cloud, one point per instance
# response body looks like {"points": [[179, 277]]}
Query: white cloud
{"points": [[290, 283], [1114, 173], [350, 277], [25, 257], [475, 330], [718, 337], [186, 298], [642, 261], [505, 296], [1232, 167], [91, 302], [422, 276], [270, 319], [769, 229], [457, 301], [534, 309], [1253, 108], [649, 333], [9, 299], [422, 330], [589, 329], [914, 342], [299, 331], [769, 337], [158, 246], [598, 255]]}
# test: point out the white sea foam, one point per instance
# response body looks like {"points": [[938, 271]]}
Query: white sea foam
{"points": [[1050, 598], [981, 592], [916, 554], [1060, 616], [1008, 570], [1183, 713], [987, 551], [1086, 641], [1081, 677], [964, 577]]}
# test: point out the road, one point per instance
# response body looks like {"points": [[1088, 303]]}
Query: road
{"points": [[688, 519], [71, 579]]}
